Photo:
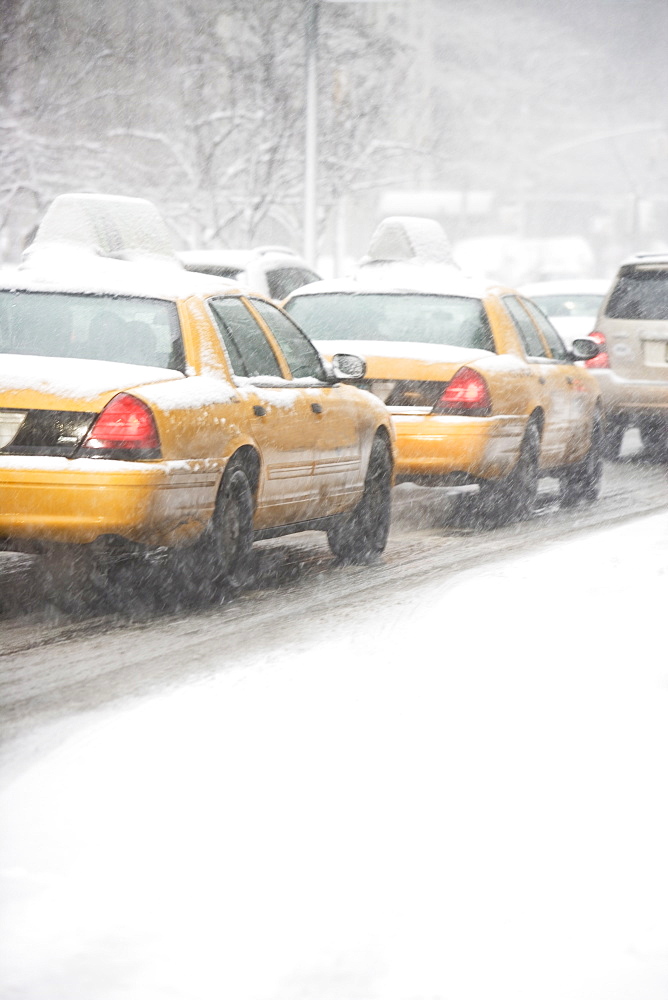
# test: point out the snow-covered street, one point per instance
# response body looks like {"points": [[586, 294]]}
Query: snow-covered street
{"points": [[457, 794]]}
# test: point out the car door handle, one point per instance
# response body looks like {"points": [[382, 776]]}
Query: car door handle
{"points": [[316, 407], [259, 411]]}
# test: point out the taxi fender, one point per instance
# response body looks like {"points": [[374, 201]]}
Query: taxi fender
{"points": [[197, 418], [373, 424]]}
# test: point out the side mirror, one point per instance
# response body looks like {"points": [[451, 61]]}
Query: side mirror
{"points": [[584, 349], [348, 367]]}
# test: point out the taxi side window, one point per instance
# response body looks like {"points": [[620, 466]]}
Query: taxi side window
{"points": [[302, 358], [247, 347], [533, 345], [554, 341]]}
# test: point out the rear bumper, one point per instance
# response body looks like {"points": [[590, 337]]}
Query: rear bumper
{"points": [[480, 447], [631, 399], [78, 501]]}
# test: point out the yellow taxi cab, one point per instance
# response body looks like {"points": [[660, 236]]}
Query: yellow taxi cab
{"points": [[480, 386], [142, 405]]}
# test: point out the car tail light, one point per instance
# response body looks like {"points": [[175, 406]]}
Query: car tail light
{"points": [[466, 395], [125, 425], [601, 360]]}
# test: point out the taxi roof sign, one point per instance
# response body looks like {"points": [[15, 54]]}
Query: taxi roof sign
{"points": [[409, 238], [108, 225]]}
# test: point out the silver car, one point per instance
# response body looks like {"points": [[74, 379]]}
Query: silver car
{"points": [[632, 329], [273, 271], [571, 305]]}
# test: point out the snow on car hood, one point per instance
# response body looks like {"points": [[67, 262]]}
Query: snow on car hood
{"points": [[405, 360], [70, 380]]}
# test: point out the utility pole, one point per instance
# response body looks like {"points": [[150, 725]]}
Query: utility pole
{"points": [[311, 130], [311, 29]]}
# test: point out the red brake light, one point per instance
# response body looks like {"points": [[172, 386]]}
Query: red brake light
{"points": [[125, 424], [466, 395], [601, 360]]}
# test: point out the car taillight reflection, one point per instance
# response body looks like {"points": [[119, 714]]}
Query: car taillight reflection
{"points": [[601, 360]]}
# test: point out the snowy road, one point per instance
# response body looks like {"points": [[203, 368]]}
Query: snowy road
{"points": [[53, 665], [402, 783]]}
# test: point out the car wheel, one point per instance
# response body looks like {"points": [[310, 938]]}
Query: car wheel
{"points": [[612, 443], [654, 437], [583, 481], [515, 496], [226, 545], [360, 537]]}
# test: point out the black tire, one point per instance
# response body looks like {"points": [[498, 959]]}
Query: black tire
{"points": [[361, 536], [654, 437], [225, 547], [614, 435], [582, 482], [514, 497]]}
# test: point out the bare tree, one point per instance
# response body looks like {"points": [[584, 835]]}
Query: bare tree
{"points": [[198, 104]]}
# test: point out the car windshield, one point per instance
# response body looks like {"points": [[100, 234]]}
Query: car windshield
{"points": [[640, 293], [426, 319], [568, 305], [97, 327]]}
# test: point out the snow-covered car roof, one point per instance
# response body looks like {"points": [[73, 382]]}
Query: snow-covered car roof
{"points": [[68, 268], [567, 286], [400, 278], [646, 258]]}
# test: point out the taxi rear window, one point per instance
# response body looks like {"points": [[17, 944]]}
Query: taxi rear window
{"points": [[639, 293], [450, 320], [96, 327]]}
